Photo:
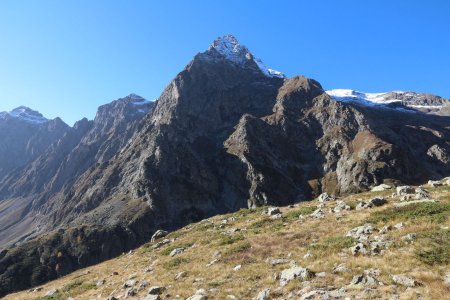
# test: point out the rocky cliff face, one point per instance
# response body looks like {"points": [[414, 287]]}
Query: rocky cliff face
{"points": [[24, 135], [30, 192], [226, 133]]}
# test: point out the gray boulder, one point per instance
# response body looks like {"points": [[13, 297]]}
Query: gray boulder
{"points": [[293, 273], [405, 280], [159, 234]]}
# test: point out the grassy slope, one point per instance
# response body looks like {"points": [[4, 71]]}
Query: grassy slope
{"points": [[260, 237]]}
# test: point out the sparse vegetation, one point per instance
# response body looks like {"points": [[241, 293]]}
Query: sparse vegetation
{"points": [[295, 214], [333, 244], [175, 262], [437, 248], [219, 249], [434, 212], [166, 251], [228, 240]]}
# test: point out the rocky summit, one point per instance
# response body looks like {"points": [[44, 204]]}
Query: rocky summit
{"points": [[226, 133]]}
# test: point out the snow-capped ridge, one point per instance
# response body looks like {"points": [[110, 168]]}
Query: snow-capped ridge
{"points": [[26, 114], [399, 100], [229, 48]]}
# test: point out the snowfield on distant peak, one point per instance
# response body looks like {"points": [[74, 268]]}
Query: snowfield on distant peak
{"points": [[229, 47]]}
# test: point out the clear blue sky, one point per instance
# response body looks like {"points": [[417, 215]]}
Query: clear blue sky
{"points": [[65, 58]]}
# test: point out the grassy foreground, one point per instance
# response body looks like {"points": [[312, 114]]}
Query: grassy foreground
{"points": [[229, 256]]}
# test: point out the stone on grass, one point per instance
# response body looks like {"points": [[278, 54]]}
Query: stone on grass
{"points": [[129, 283], [155, 290], [177, 251], [341, 206], [263, 295], [318, 214], [404, 280], [324, 197], [405, 190], [159, 234], [434, 183], [180, 275], [293, 273], [341, 268], [278, 261], [272, 211], [377, 201], [51, 292], [100, 282], [380, 188]]}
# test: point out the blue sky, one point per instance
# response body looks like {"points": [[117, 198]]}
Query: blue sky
{"points": [[65, 58]]}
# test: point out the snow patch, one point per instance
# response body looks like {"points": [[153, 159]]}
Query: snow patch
{"points": [[345, 95], [229, 47], [25, 114]]}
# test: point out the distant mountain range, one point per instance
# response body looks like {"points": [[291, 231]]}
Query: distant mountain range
{"points": [[226, 133]]}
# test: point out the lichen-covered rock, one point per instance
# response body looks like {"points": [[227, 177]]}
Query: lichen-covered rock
{"points": [[293, 273]]}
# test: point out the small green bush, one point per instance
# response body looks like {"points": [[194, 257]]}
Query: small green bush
{"points": [[239, 247], [295, 214], [174, 263], [437, 251], [228, 240], [334, 244]]}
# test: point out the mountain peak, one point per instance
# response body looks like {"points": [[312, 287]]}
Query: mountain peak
{"points": [[25, 114], [228, 47]]}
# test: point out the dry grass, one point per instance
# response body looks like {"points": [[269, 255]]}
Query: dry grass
{"points": [[258, 238]]}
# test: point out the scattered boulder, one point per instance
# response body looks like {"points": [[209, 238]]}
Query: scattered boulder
{"points": [[278, 261], [263, 295], [159, 234], [131, 292], [361, 233], [318, 214], [380, 188], [324, 197], [400, 225], [177, 251], [237, 268], [358, 248], [323, 294], [341, 268], [341, 206], [409, 237], [422, 193], [405, 190], [155, 290], [377, 201], [434, 183], [129, 283], [180, 275], [100, 282], [447, 279], [161, 243], [405, 280], [51, 292], [385, 229], [272, 211], [293, 273], [213, 262], [144, 284], [368, 278], [199, 295]]}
